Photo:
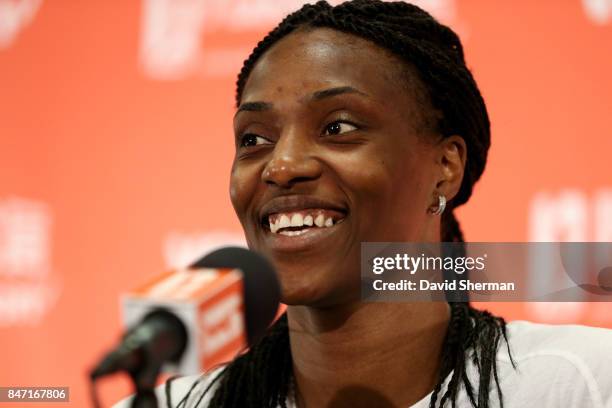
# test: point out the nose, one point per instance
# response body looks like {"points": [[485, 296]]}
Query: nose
{"points": [[292, 161]]}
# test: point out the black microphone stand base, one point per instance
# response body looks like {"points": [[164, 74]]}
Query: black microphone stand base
{"points": [[145, 399]]}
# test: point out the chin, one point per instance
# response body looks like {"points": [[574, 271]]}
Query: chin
{"points": [[318, 292], [301, 287]]}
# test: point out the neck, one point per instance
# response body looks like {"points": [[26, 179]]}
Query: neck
{"points": [[366, 354]]}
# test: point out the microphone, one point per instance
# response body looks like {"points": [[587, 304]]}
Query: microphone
{"points": [[160, 337], [195, 318]]}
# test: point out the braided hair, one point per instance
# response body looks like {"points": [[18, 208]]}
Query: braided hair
{"points": [[263, 377]]}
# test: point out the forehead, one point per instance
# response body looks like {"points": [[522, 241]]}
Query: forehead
{"points": [[309, 60]]}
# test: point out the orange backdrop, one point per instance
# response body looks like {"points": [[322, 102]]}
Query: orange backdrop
{"points": [[116, 144]]}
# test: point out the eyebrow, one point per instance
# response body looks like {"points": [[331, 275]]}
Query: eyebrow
{"points": [[316, 96], [328, 93], [254, 107]]}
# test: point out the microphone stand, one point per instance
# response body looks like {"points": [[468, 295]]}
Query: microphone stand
{"points": [[144, 379]]}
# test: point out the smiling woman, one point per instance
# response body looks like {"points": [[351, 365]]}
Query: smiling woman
{"points": [[318, 121], [358, 123]]}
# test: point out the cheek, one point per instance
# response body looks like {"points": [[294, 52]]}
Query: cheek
{"points": [[413, 188], [243, 184], [390, 195]]}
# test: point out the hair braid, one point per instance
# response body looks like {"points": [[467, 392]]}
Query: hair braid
{"points": [[433, 53]]}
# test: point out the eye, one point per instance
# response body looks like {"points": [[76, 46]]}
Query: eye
{"points": [[251, 139], [338, 127]]}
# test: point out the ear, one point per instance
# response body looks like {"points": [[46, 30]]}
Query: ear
{"points": [[451, 157]]}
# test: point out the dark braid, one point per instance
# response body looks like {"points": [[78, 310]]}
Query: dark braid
{"points": [[262, 377]]}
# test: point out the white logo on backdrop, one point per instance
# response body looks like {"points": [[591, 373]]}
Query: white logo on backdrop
{"points": [[566, 216], [598, 11], [15, 15], [181, 249], [172, 37], [27, 291]]}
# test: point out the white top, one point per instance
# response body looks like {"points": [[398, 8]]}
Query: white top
{"points": [[557, 366]]}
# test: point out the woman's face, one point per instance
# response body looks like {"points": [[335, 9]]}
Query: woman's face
{"points": [[329, 139]]}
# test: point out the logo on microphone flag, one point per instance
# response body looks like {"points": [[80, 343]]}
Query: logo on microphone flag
{"points": [[210, 304]]}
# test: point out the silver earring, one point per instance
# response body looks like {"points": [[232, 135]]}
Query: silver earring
{"points": [[441, 206]]}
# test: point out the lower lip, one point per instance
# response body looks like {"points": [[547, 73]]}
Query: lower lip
{"points": [[312, 237]]}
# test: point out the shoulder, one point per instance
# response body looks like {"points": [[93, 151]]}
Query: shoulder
{"points": [[572, 342], [175, 390], [573, 362]]}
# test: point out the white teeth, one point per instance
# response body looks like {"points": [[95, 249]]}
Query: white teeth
{"points": [[283, 222], [292, 233], [297, 220], [273, 226]]}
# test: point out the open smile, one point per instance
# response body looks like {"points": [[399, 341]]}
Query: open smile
{"points": [[298, 222]]}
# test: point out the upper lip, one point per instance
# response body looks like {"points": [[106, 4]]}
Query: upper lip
{"points": [[297, 203]]}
